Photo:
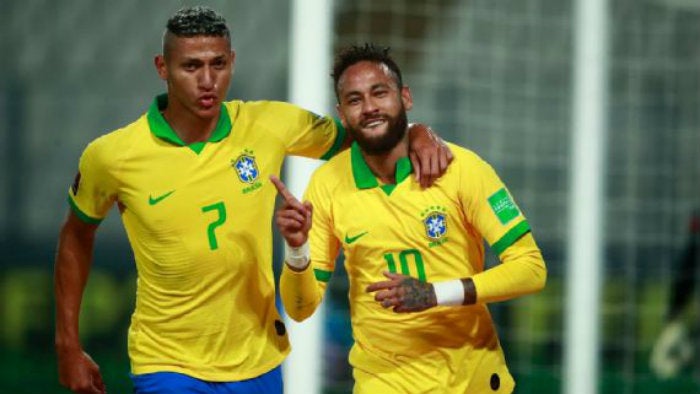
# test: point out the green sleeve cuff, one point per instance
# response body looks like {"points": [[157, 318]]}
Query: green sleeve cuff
{"points": [[322, 276], [339, 138], [82, 215], [510, 237]]}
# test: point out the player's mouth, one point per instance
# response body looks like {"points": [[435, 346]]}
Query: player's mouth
{"points": [[207, 101], [373, 123]]}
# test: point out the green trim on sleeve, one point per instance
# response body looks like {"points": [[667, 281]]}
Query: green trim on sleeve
{"points": [[339, 138], [82, 215], [321, 275], [510, 237]]}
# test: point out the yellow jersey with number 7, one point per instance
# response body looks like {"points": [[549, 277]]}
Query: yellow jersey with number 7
{"points": [[198, 218]]}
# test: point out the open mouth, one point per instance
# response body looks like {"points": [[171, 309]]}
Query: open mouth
{"points": [[207, 101], [373, 123]]}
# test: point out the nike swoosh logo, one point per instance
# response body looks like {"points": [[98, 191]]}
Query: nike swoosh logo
{"points": [[155, 200], [349, 240]]}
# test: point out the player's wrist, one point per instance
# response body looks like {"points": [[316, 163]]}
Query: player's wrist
{"points": [[297, 258], [449, 292]]}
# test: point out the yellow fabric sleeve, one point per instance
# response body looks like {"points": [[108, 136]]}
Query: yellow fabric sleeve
{"points": [[522, 271], [303, 132], [95, 188], [300, 292]]}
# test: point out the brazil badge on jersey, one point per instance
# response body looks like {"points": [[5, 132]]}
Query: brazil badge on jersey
{"points": [[246, 168], [432, 234], [435, 222], [197, 217]]}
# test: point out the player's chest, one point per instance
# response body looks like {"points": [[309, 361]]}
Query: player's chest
{"points": [[374, 220], [414, 233], [172, 182]]}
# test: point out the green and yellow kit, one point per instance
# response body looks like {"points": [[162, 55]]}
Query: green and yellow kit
{"points": [[198, 218], [433, 234]]}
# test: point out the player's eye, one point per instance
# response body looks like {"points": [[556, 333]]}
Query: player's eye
{"points": [[219, 64]]}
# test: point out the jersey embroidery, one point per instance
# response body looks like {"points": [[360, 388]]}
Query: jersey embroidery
{"points": [[435, 224], [247, 170], [155, 200], [349, 239]]}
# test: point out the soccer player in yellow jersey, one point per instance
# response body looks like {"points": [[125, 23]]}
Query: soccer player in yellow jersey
{"points": [[187, 178], [414, 257]]}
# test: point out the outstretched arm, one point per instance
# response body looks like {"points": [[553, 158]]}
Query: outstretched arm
{"points": [[76, 370]]}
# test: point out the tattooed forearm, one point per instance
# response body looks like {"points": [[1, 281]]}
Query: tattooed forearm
{"points": [[417, 295]]}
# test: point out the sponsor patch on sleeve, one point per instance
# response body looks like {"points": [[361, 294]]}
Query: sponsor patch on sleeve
{"points": [[503, 206]]}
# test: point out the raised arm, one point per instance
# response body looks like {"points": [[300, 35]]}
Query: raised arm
{"points": [[298, 286], [76, 369]]}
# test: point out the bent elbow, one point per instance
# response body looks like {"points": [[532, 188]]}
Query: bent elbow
{"points": [[540, 273]]}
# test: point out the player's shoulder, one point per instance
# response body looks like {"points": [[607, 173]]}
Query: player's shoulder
{"points": [[113, 143], [334, 173], [467, 165], [262, 108], [463, 153], [338, 164]]}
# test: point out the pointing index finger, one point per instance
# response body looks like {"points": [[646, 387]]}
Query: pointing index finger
{"points": [[283, 191]]}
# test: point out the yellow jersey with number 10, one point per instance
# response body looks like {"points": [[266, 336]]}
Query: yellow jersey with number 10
{"points": [[433, 234]]}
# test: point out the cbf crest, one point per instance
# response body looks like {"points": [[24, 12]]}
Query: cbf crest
{"points": [[435, 224], [247, 170]]}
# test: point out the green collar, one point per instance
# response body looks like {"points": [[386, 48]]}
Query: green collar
{"points": [[161, 129], [365, 179]]}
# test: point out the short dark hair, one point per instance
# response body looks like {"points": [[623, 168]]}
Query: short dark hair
{"points": [[367, 52], [198, 21], [195, 21]]}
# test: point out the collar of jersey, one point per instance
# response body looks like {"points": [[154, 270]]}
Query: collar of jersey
{"points": [[365, 179], [161, 129]]}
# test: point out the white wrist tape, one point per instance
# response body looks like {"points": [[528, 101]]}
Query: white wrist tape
{"points": [[449, 292], [297, 257]]}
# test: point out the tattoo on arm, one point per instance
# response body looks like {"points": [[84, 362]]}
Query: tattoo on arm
{"points": [[417, 295]]}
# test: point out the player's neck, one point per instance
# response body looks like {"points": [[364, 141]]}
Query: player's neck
{"points": [[383, 165], [189, 127]]}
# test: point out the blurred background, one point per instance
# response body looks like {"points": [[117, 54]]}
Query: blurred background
{"points": [[492, 75]]}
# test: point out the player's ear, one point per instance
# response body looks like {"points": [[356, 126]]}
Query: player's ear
{"points": [[233, 61], [159, 62], [406, 98]]}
